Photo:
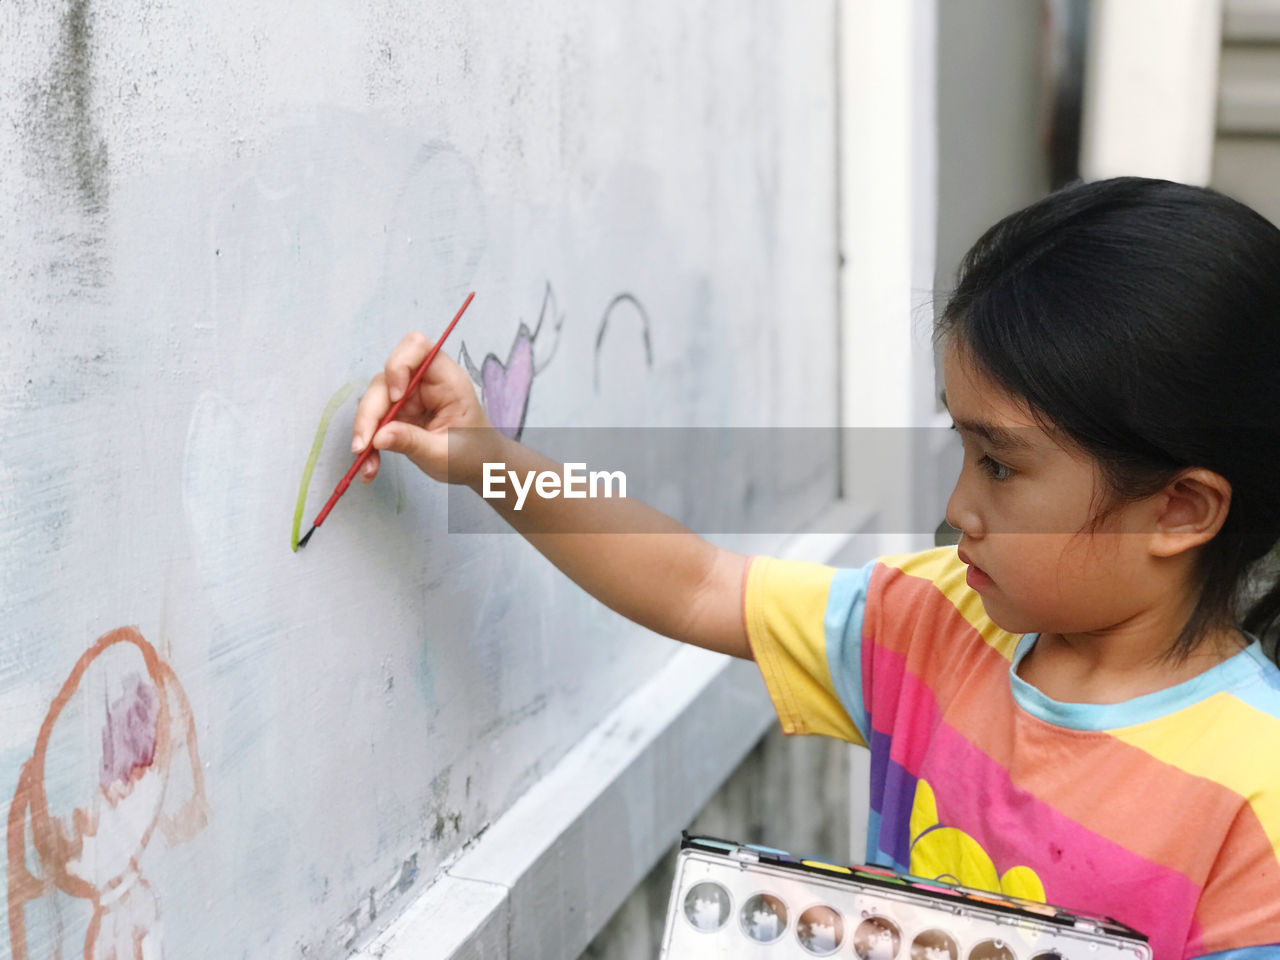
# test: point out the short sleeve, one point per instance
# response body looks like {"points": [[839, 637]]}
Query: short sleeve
{"points": [[804, 623]]}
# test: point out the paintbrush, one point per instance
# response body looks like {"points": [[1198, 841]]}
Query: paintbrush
{"points": [[345, 482]]}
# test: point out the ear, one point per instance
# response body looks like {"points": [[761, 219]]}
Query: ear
{"points": [[1191, 510]]}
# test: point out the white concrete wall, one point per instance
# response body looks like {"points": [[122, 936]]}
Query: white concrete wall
{"points": [[214, 215], [1150, 90], [888, 230]]}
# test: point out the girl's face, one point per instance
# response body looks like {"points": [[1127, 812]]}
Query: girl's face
{"points": [[1021, 502]]}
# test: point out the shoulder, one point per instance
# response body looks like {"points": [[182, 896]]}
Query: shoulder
{"points": [[1262, 681], [928, 572], [927, 592], [936, 575], [1228, 735], [1247, 709], [1242, 699]]}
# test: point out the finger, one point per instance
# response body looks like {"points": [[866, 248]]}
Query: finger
{"points": [[439, 388], [372, 407], [445, 372], [404, 360], [369, 469], [428, 451], [445, 384]]}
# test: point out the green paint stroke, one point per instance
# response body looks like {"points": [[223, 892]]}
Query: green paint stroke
{"points": [[330, 408]]}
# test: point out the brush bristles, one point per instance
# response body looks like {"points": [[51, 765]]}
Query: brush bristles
{"points": [[303, 542]]}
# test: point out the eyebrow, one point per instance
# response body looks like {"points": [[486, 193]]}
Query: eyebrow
{"points": [[1001, 438]]}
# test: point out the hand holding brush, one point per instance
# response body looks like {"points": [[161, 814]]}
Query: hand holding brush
{"points": [[401, 395]]}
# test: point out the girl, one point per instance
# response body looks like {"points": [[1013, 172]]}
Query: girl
{"points": [[1072, 706]]}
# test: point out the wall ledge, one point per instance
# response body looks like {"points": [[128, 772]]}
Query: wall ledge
{"points": [[545, 878]]}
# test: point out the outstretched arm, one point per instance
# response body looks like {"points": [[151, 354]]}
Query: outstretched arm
{"points": [[635, 560]]}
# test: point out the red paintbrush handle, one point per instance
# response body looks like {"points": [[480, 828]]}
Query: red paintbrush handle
{"points": [[391, 414]]}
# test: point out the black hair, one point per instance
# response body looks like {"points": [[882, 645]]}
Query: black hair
{"points": [[1141, 318]]}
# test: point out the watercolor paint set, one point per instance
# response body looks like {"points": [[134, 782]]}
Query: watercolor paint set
{"points": [[742, 900]]}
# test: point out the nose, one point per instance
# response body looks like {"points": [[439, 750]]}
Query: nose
{"points": [[961, 511]]}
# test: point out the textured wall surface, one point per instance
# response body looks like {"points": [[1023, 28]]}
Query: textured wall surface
{"points": [[212, 216]]}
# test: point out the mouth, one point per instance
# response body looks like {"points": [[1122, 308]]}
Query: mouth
{"points": [[975, 576]]}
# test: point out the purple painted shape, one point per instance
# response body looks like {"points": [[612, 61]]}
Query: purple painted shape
{"points": [[129, 736], [505, 386]]}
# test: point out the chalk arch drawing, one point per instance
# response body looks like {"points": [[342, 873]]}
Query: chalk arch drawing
{"points": [[625, 305], [505, 386], [92, 851]]}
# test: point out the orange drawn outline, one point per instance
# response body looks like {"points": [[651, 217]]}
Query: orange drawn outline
{"points": [[54, 847]]}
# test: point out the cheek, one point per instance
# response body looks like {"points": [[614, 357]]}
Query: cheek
{"points": [[1031, 581], [1099, 561], [1037, 559], [1061, 583]]}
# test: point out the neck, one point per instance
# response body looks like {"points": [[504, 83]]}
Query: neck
{"points": [[1120, 663]]}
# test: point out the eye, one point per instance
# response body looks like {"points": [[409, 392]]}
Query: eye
{"points": [[995, 469]]}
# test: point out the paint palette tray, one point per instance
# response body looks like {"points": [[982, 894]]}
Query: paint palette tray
{"points": [[746, 901]]}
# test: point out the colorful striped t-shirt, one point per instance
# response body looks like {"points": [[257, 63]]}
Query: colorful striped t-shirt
{"points": [[1162, 811]]}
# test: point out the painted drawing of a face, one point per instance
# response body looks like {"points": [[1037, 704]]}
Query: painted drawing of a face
{"points": [[706, 906], [877, 938], [764, 918], [91, 813]]}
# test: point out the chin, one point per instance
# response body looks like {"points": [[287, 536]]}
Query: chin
{"points": [[1008, 620]]}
